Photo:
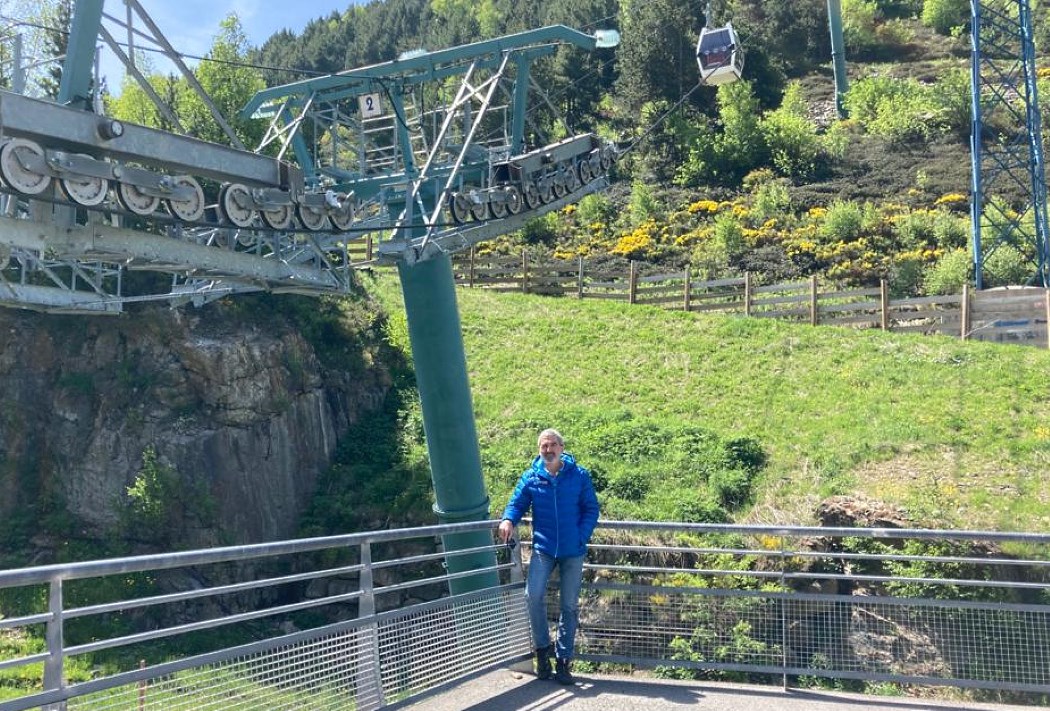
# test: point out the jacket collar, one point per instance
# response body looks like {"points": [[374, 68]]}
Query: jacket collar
{"points": [[568, 462]]}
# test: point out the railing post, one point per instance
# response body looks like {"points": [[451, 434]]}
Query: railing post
{"points": [[1047, 295], [524, 272], [142, 688], [884, 304], [632, 285], [783, 614], [369, 671], [687, 288], [747, 293], [54, 667], [368, 247], [470, 269], [964, 327], [517, 577], [579, 277], [517, 567], [813, 308]]}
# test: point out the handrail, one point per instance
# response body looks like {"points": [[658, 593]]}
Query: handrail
{"points": [[773, 600]]}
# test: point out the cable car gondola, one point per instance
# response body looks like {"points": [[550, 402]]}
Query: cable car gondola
{"points": [[719, 55]]}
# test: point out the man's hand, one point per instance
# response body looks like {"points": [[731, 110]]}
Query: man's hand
{"points": [[505, 530]]}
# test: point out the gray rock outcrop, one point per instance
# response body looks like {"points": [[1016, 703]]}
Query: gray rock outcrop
{"points": [[238, 409]]}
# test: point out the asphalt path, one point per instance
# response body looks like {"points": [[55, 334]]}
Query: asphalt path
{"points": [[507, 690]]}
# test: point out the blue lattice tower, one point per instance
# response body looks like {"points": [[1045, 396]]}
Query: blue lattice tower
{"points": [[1008, 204]]}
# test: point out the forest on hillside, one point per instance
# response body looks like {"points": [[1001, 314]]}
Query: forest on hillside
{"points": [[760, 175]]}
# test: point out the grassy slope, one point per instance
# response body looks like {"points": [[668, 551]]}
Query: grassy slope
{"points": [[959, 433]]}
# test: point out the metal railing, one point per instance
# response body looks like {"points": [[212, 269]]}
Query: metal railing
{"points": [[875, 606], [346, 622], [366, 620]]}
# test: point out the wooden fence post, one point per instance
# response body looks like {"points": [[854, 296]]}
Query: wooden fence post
{"points": [[687, 288], [368, 247], [747, 293], [632, 286], [964, 327], [524, 272], [813, 309], [884, 303], [579, 277], [470, 268]]}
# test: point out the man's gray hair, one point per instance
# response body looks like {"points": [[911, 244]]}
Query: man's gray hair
{"points": [[551, 433]]}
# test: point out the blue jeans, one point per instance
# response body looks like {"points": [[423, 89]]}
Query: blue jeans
{"points": [[570, 572]]}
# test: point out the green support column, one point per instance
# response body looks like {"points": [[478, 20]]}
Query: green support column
{"points": [[80, 54], [838, 54], [448, 413]]}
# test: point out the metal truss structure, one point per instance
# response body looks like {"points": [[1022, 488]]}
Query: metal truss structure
{"points": [[452, 160], [1008, 201], [86, 198]]}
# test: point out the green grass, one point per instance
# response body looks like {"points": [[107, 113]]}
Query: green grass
{"points": [[956, 432]]}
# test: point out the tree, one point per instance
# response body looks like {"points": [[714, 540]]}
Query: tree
{"points": [[230, 83], [579, 79], [656, 56], [57, 18], [225, 77]]}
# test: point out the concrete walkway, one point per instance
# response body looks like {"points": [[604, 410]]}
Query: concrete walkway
{"points": [[505, 690]]}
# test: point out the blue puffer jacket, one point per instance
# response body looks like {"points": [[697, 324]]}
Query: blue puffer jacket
{"points": [[564, 507]]}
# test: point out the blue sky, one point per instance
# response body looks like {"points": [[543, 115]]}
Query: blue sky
{"points": [[191, 25]]}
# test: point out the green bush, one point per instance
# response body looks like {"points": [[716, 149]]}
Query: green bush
{"points": [[728, 237], [843, 222], [643, 204], [541, 230], [772, 199], [897, 109], [731, 487], [747, 453], [681, 473], [741, 146], [914, 230], [905, 277], [859, 24], [629, 486], [160, 503], [594, 208], [694, 507], [951, 232], [1006, 266], [951, 96], [944, 16], [949, 273], [697, 167], [794, 146], [903, 117]]}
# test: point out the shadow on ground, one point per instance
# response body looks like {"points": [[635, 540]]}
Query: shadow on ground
{"points": [[511, 691]]}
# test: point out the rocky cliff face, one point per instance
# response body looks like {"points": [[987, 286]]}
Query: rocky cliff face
{"points": [[235, 403]]}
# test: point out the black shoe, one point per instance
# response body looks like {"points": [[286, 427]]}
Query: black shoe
{"points": [[562, 675], [543, 662]]}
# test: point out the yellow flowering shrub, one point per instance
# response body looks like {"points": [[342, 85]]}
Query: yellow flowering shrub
{"points": [[636, 243], [708, 207], [694, 237]]}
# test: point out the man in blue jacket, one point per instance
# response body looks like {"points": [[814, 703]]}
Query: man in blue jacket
{"points": [[564, 514]]}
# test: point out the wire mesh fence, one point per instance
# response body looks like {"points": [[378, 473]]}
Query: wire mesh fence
{"points": [[871, 606], [348, 622], [369, 620]]}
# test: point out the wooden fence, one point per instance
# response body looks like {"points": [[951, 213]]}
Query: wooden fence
{"points": [[1009, 315]]}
